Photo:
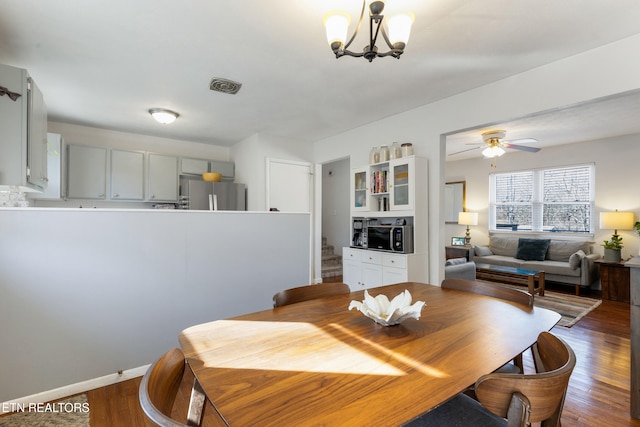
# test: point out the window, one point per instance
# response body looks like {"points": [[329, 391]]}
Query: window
{"points": [[554, 200]]}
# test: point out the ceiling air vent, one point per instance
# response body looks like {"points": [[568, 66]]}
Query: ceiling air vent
{"points": [[224, 85]]}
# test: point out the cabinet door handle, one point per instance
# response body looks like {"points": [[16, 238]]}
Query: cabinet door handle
{"points": [[116, 195]]}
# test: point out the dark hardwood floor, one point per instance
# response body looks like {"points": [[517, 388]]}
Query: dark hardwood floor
{"points": [[598, 392]]}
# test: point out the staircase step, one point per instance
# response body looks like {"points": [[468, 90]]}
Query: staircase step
{"points": [[327, 250], [331, 271], [331, 260]]}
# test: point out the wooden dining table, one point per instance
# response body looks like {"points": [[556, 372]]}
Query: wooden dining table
{"points": [[316, 363]]}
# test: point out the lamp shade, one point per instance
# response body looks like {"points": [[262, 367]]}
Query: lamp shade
{"points": [[400, 28], [493, 152], [468, 218], [616, 220], [336, 24], [163, 116]]}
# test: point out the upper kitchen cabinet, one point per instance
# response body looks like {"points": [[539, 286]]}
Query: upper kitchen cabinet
{"points": [[389, 187], [193, 166], [198, 166], [127, 175], [162, 178], [86, 172], [23, 131]]}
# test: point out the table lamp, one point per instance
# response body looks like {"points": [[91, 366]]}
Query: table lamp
{"points": [[615, 221], [467, 218]]}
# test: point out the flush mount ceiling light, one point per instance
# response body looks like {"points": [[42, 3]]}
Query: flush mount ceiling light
{"points": [[163, 116], [337, 25]]}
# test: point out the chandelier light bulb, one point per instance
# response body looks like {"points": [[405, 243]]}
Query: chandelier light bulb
{"points": [[400, 28], [336, 24]]}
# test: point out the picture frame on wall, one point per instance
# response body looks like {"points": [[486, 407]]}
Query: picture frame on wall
{"points": [[457, 241]]}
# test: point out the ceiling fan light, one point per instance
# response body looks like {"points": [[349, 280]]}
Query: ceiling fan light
{"points": [[336, 24], [400, 28], [493, 152], [163, 116]]}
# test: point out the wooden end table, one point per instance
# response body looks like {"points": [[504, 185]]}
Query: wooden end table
{"points": [[512, 275], [614, 278]]}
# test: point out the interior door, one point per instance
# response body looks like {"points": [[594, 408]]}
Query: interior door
{"points": [[289, 185]]}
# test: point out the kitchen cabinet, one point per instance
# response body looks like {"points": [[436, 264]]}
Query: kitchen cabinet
{"points": [[227, 169], [387, 188], [392, 185], [193, 166], [359, 189], [162, 178], [198, 166], [365, 269], [127, 175], [86, 172], [56, 187], [23, 132]]}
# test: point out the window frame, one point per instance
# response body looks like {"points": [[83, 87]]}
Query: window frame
{"points": [[538, 204]]}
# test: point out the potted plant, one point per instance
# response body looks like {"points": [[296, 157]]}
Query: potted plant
{"points": [[612, 248]]}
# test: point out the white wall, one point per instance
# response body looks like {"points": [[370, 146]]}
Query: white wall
{"points": [[335, 204], [601, 72], [88, 292], [250, 157], [614, 158]]}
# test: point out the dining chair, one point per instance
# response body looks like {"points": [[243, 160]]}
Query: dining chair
{"points": [[513, 399], [309, 292], [489, 289], [159, 387]]}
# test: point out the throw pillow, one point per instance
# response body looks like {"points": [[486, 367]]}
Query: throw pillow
{"points": [[455, 261], [482, 251], [532, 249], [575, 259]]}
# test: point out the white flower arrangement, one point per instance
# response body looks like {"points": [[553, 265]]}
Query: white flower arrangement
{"points": [[386, 312]]}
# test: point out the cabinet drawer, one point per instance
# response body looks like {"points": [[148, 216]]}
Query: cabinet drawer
{"points": [[352, 254], [394, 260], [372, 257]]}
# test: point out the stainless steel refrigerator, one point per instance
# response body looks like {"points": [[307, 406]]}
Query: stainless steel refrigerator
{"points": [[196, 194]]}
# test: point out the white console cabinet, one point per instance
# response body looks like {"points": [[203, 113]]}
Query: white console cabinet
{"points": [[364, 269]]}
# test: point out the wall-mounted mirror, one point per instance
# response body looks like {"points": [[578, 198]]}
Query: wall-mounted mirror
{"points": [[454, 200]]}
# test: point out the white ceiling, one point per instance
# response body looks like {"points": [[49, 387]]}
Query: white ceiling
{"points": [[104, 63]]}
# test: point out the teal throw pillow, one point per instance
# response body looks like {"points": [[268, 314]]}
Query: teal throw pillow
{"points": [[532, 249]]}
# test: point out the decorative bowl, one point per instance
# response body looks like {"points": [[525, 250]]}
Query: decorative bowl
{"points": [[386, 312], [212, 177]]}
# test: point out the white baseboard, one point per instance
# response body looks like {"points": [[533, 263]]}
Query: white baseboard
{"points": [[81, 387]]}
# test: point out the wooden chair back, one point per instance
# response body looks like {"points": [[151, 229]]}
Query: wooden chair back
{"points": [[159, 387], [544, 392], [309, 292], [489, 289]]}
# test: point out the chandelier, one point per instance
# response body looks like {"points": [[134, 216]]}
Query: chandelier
{"points": [[337, 25]]}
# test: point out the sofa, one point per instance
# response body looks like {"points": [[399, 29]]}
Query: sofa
{"points": [[459, 268], [564, 261]]}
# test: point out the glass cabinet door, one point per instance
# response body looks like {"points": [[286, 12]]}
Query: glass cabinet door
{"points": [[402, 176], [359, 189]]}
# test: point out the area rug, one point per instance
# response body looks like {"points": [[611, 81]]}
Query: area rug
{"points": [[70, 412], [572, 308]]}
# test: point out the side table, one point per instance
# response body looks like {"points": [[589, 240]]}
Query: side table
{"points": [[614, 278], [457, 252]]}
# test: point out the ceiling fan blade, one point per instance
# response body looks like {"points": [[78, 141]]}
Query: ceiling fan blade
{"points": [[464, 151], [520, 147], [521, 141]]}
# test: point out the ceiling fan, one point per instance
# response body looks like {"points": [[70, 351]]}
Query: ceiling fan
{"points": [[494, 144]]}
